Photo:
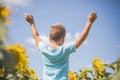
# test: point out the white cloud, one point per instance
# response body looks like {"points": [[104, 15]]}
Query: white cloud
{"points": [[68, 38], [30, 41], [76, 34], [45, 38], [32, 50], [17, 2]]}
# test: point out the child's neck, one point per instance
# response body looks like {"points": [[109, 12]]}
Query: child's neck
{"points": [[54, 45]]}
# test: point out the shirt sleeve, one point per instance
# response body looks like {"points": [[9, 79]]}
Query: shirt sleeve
{"points": [[42, 46], [69, 47]]}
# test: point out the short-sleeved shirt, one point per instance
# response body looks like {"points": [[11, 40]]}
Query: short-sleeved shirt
{"points": [[56, 61]]}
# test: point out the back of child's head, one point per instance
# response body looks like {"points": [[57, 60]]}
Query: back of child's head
{"points": [[57, 32]]}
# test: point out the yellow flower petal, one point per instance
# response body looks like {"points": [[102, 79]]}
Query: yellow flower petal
{"points": [[5, 11]]}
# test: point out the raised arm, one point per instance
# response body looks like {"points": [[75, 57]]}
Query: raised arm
{"points": [[91, 18], [29, 18]]}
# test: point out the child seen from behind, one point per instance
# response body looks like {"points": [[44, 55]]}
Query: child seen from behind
{"points": [[56, 54]]}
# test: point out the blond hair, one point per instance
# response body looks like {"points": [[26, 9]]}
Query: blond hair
{"points": [[57, 32]]}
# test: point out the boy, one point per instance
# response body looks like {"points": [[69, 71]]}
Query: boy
{"points": [[56, 55]]}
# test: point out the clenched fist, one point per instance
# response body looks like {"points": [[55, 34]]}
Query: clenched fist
{"points": [[29, 18], [92, 16]]}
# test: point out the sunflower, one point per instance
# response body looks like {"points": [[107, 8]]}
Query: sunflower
{"points": [[99, 66], [83, 73], [98, 63], [31, 72], [72, 75], [4, 13], [20, 56]]}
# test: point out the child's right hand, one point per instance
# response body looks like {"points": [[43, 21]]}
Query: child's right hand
{"points": [[92, 16], [29, 18]]}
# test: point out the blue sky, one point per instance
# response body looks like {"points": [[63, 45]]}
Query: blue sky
{"points": [[103, 40]]}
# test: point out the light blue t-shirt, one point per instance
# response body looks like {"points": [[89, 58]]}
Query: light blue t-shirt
{"points": [[56, 61]]}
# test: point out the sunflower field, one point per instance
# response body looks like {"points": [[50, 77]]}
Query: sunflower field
{"points": [[98, 71], [14, 60]]}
